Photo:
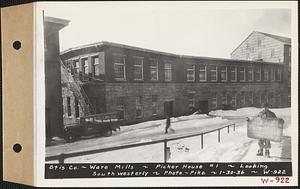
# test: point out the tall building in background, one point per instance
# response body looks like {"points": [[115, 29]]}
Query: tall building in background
{"points": [[264, 47]]}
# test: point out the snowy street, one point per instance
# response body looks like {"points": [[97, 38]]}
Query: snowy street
{"points": [[235, 146]]}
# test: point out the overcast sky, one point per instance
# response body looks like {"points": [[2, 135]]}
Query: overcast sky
{"points": [[188, 28]]}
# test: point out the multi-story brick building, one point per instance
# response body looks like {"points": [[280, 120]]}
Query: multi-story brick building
{"points": [[142, 84], [266, 47]]}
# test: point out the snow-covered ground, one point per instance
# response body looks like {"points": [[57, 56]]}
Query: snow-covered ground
{"points": [[235, 146]]}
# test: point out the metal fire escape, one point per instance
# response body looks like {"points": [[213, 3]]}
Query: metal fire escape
{"points": [[75, 86]]}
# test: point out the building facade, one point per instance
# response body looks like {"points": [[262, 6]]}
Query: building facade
{"points": [[141, 84], [53, 88], [266, 47]]}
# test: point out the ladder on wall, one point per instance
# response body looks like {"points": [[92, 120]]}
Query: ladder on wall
{"points": [[78, 91]]}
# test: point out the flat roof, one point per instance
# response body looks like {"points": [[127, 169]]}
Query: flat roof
{"points": [[106, 43]]}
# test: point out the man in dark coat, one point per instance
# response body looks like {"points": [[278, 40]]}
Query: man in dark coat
{"points": [[265, 143]]}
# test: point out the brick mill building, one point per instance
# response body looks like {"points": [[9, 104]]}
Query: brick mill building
{"points": [[142, 84]]}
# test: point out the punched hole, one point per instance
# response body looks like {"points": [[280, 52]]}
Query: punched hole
{"points": [[17, 45], [17, 148]]}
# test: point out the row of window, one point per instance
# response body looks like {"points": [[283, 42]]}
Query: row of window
{"points": [[233, 100], [227, 73], [138, 106], [251, 75]]}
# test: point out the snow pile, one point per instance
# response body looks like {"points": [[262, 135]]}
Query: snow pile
{"points": [[242, 112], [163, 122]]}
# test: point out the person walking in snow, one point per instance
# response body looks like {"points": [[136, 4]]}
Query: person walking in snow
{"points": [[168, 124], [265, 144]]}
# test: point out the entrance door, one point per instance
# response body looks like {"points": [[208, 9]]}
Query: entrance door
{"points": [[203, 106], [168, 108]]}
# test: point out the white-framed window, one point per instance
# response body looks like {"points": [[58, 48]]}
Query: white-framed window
{"points": [[69, 107], [168, 72], [214, 100], [257, 74], [223, 73], [266, 74], [214, 73], [202, 73], [272, 74], [190, 72], [96, 67], [121, 108], [153, 69], [85, 68], [119, 67], [250, 73], [272, 53], [138, 68], [154, 104], [233, 74], [242, 73], [138, 107]]}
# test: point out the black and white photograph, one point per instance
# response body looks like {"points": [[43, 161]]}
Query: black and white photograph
{"points": [[167, 82]]}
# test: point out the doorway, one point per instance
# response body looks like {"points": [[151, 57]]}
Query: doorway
{"points": [[168, 108], [203, 107]]}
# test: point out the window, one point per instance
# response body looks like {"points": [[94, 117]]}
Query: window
{"points": [[69, 109], [272, 53], [153, 70], [248, 56], [224, 99], [190, 71], [96, 67], [266, 74], [272, 74], [85, 68], [257, 74], [214, 73], [250, 73], [289, 51], [138, 107], [214, 101], [250, 97], [233, 73], [154, 104], [243, 99], [121, 107], [259, 56], [242, 74], [168, 72], [223, 73], [278, 74], [233, 101], [138, 68], [119, 67], [259, 42], [202, 73], [191, 100], [77, 107], [76, 67], [247, 45]]}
